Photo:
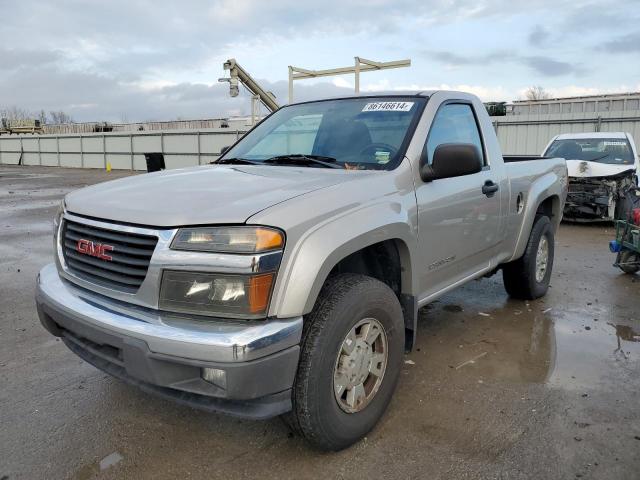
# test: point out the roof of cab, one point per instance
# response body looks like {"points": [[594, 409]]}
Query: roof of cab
{"points": [[395, 93]]}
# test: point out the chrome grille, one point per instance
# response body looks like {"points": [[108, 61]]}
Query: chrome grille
{"points": [[130, 256]]}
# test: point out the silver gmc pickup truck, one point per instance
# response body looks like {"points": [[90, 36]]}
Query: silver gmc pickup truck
{"points": [[286, 277]]}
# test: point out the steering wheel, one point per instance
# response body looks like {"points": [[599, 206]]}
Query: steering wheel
{"points": [[379, 145]]}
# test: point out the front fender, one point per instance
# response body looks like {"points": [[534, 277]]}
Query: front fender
{"points": [[319, 249]]}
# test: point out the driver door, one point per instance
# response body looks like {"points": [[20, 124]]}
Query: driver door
{"points": [[458, 223]]}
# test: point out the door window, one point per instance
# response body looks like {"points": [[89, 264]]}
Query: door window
{"points": [[454, 123]]}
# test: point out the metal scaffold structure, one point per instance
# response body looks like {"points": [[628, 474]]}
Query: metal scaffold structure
{"points": [[360, 65], [239, 76]]}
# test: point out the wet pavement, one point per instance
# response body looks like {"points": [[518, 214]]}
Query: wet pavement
{"points": [[496, 388]]}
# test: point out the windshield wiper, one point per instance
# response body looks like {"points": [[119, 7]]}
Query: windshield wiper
{"points": [[236, 161], [598, 158], [298, 158]]}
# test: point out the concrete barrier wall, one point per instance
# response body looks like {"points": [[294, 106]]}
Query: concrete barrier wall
{"points": [[122, 150]]}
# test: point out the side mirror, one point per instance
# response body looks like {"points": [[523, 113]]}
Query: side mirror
{"points": [[224, 150], [452, 160]]}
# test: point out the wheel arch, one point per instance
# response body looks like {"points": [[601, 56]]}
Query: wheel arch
{"points": [[545, 196], [388, 261], [550, 207], [384, 252]]}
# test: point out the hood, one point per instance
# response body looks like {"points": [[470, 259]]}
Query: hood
{"points": [[584, 169], [222, 194]]}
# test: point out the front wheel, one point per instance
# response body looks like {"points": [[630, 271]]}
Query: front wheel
{"points": [[528, 277], [350, 361]]}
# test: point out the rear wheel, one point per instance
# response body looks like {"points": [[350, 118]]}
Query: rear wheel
{"points": [[350, 361], [528, 277], [629, 262]]}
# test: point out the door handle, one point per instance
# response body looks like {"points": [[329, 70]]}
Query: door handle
{"points": [[489, 188]]}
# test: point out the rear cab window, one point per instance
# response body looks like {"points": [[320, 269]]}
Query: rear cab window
{"points": [[454, 123]]}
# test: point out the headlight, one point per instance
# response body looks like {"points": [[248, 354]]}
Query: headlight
{"points": [[225, 295], [228, 239], [233, 296]]}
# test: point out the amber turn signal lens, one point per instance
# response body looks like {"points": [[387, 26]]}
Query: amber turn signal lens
{"points": [[259, 292], [235, 239], [268, 239]]}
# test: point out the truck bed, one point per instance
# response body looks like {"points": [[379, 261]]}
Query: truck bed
{"points": [[525, 177]]}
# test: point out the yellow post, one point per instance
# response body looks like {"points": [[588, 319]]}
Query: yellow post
{"points": [[108, 166]]}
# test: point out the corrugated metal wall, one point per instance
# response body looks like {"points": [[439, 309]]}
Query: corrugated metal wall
{"points": [[518, 135], [529, 134], [181, 148]]}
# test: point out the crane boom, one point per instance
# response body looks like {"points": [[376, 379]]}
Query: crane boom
{"points": [[237, 73]]}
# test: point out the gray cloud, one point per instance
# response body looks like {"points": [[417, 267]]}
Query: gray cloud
{"points": [[88, 96], [596, 15], [454, 59], [549, 66], [540, 64], [133, 37], [625, 44], [538, 36], [11, 58], [92, 58]]}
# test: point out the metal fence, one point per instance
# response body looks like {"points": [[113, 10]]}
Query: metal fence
{"points": [[529, 134], [518, 135], [121, 150]]}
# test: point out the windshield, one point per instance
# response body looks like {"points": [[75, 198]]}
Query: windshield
{"points": [[359, 133], [601, 150]]}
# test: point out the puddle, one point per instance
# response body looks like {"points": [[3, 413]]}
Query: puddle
{"points": [[452, 308], [92, 470], [11, 192], [599, 357], [16, 175], [110, 460], [476, 334], [21, 204], [576, 342]]}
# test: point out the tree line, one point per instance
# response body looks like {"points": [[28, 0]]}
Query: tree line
{"points": [[535, 92], [52, 117]]}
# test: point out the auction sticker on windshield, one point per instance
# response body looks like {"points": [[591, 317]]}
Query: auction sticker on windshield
{"points": [[388, 107]]}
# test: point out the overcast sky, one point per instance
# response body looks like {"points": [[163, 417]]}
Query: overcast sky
{"points": [[142, 60]]}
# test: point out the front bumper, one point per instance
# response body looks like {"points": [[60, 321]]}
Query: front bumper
{"points": [[590, 199], [596, 199], [165, 353]]}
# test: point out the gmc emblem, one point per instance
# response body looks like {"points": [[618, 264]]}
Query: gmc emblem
{"points": [[98, 250]]}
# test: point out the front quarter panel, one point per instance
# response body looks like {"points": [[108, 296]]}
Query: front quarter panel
{"points": [[324, 227]]}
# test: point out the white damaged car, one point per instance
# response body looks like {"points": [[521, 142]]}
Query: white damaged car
{"points": [[602, 167]]}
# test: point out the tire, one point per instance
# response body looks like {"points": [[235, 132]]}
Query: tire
{"points": [[519, 276], [629, 256], [345, 301]]}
